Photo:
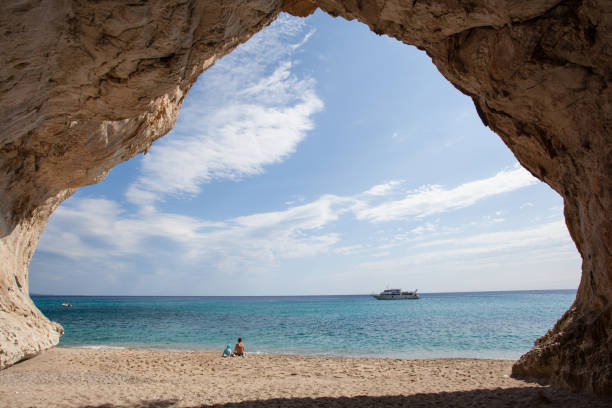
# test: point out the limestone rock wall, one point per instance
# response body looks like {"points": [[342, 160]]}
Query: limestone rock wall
{"points": [[87, 85]]}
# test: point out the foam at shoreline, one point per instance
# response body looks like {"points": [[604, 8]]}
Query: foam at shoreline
{"points": [[504, 356]]}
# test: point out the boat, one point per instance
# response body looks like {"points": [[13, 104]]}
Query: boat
{"points": [[66, 304], [396, 294]]}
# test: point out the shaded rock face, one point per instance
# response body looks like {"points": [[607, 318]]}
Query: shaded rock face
{"points": [[87, 85]]}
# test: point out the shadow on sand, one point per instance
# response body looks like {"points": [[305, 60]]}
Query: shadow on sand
{"points": [[511, 397]]}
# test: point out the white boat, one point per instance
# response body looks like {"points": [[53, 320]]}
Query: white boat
{"points": [[396, 294]]}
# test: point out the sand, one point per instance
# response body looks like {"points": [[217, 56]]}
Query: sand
{"points": [[71, 377]]}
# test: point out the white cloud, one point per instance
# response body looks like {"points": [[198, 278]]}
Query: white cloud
{"points": [[296, 200], [99, 228], [383, 189], [257, 240], [308, 216], [104, 236], [433, 199], [478, 249], [304, 40], [252, 110], [428, 227], [349, 249], [100, 223]]}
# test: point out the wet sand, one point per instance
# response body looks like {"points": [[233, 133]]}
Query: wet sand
{"points": [[64, 377]]}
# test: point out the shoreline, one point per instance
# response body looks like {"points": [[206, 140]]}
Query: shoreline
{"points": [[80, 377], [412, 356], [278, 354]]}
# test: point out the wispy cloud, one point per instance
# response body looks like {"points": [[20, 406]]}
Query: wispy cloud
{"points": [[383, 189], [428, 200], [304, 40], [471, 250], [100, 228], [308, 216], [349, 249], [252, 110]]}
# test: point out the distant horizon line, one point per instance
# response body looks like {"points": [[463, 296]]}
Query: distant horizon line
{"points": [[311, 295]]}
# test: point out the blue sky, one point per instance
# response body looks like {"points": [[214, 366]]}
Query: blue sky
{"points": [[317, 158]]}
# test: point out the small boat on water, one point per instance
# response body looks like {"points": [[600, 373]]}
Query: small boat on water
{"points": [[66, 304], [396, 294]]}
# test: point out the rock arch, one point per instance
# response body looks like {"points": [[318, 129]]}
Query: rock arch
{"points": [[87, 85]]}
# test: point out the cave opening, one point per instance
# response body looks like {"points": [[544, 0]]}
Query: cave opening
{"points": [[315, 159]]}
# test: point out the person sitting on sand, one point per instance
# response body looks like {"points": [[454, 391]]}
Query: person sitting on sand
{"points": [[239, 348], [228, 351]]}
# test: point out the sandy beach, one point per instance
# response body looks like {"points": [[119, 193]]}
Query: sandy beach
{"points": [[71, 377]]}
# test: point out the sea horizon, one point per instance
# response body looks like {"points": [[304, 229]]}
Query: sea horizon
{"points": [[306, 295]]}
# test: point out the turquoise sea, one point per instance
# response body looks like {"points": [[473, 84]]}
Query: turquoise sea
{"points": [[500, 325]]}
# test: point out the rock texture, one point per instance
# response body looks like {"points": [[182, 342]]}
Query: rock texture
{"points": [[87, 85]]}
